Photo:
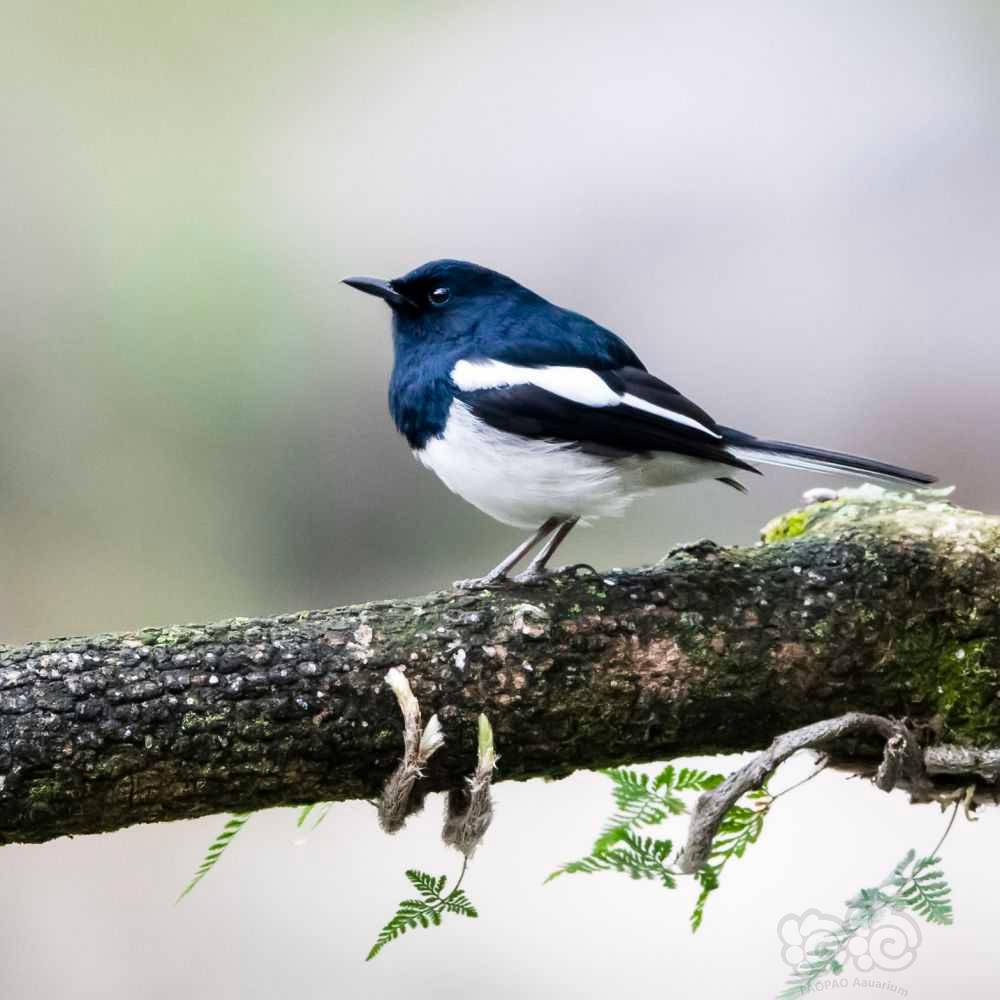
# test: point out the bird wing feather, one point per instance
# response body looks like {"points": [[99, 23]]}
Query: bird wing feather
{"points": [[616, 412]]}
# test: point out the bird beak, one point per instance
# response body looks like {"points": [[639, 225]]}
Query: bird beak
{"points": [[379, 287]]}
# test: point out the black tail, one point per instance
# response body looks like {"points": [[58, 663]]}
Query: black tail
{"points": [[797, 456]]}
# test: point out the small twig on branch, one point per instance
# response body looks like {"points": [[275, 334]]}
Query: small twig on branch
{"points": [[950, 759]]}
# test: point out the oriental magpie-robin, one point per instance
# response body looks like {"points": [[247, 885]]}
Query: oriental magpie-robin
{"points": [[540, 418]]}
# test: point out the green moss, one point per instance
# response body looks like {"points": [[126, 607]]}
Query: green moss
{"points": [[179, 635], [967, 693], [255, 729], [201, 721], [43, 791], [796, 522], [954, 681]]}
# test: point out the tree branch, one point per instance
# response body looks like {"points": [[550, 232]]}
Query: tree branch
{"points": [[902, 761], [868, 602]]}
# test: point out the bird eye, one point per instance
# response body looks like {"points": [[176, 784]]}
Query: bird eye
{"points": [[439, 296]]}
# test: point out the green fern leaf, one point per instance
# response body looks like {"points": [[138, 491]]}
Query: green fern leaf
{"points": [[410, 913], [426, 912], [609, 838], [740, 827], [458, 902], [427, 885], [665, 779], [821, 961], [307, 811], [708, 879], [690, 780], [639, 858], [923, 889], [929, 894], [629, 786], [234, 824], [640, 803]]}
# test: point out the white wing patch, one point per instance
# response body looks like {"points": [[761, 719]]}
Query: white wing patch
{"points": [[638, 403], [579, 385]]}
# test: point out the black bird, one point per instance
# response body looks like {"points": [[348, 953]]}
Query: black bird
{"points": [[540, 418]]}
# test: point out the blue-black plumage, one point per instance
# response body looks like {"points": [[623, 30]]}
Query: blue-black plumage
{"points": [[540, 417]]}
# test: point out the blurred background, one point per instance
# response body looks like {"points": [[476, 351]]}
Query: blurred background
{"points": [[791, 210]]}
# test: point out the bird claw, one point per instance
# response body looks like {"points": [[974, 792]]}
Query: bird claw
{"points": [[573, 569], [528, 578], [537, 577], [481, 582]]}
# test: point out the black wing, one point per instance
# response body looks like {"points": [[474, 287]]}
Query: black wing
{"points": [[651, 416]]}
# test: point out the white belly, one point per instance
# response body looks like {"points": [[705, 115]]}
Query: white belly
{"points": [[523, 482]]}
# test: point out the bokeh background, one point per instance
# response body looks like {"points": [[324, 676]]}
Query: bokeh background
{"points": [[791, 210]]}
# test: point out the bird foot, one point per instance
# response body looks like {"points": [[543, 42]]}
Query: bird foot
{"points": [[573, 569], [536, 577], [481, 582], [528, 578]]}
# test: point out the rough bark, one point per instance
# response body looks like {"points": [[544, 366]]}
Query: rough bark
{"points": [[866, 602]]}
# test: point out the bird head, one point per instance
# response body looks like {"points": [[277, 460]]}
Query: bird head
{"points": [[443, 300]]}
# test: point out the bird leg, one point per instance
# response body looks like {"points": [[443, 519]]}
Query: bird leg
{"points": [[499, 572], [419, 745], [470, 810], [536, 571]]}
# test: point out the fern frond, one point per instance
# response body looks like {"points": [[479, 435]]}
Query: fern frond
{"points": [[640, 802], [821, 961], [708, 879], [898, 877], [740, 827], [410, 914], [929, 894], [629, 786], [639, 858], [691, 780], [307, 811], [923, 889], [427, 885], [426, 912], [458, 902], [324, 812], [234, 824]]}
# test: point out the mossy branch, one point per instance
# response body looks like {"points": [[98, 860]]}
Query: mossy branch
{"points": [[866, 601]]}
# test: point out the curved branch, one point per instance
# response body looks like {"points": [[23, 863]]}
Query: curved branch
{"points": [[867, 602], [903, 760]]}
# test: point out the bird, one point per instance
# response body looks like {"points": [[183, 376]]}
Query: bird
{"points": [[543, 419]]}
